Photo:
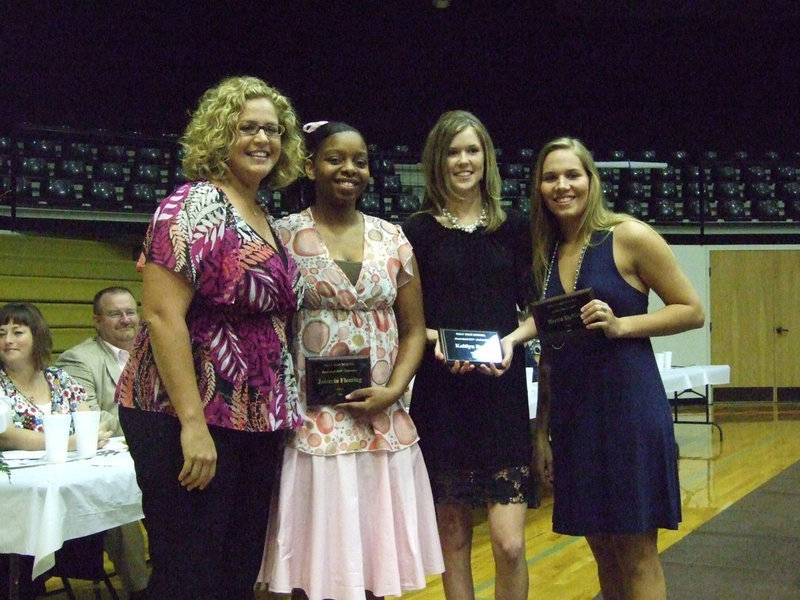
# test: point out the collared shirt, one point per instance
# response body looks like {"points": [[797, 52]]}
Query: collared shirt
{"points": [[120, 355]]}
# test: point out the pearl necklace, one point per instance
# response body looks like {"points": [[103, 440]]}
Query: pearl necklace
{"points": [[456, 224], [552, 263]]}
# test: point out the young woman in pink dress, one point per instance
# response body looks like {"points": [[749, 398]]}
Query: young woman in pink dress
{"points": [[355, 514]]}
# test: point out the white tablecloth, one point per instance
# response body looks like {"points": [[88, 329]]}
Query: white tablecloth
{"points": [[43, 505], [676, 379]]}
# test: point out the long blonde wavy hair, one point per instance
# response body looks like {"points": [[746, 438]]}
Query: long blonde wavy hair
{"points": [[545, 230], [211, 132]]}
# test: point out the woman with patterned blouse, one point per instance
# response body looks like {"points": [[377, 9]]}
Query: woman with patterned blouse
{"points": [[210, 383], [355, 514], [30, 389]]}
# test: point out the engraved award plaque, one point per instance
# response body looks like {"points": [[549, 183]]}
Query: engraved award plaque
{"points": [[330, 378], [480, 347], [559, 318]]}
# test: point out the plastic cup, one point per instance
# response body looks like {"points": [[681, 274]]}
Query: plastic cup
{"points": [[5, 417], [87, 425], [56, 437]]}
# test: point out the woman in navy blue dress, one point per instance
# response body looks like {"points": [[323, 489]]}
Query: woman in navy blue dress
{"points": [[604, 429]]}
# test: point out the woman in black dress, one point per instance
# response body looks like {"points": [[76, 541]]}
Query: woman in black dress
{"points": [[473, 422]]}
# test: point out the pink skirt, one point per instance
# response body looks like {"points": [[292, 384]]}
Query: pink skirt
{"points": [[352, 522]]}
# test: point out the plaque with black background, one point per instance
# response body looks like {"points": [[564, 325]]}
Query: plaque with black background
{"points": [[559, 318], [330, 378], [479, 347]]}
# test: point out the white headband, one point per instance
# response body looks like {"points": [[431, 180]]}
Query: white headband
{"points": [[313, 126]]}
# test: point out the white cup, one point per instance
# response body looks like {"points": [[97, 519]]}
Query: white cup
{"points": [[87, 426], [56, 436], [5, 416], [667, 360], [660, 360]]}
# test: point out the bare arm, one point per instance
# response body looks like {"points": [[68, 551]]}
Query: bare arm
{"points": [[412, 338], [166, 297], [646, 261]]}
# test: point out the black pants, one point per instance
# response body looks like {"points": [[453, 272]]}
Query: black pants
{"points": [[204, 544]]}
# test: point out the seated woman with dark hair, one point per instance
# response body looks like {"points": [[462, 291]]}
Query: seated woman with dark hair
{"points": [[29, 388]]}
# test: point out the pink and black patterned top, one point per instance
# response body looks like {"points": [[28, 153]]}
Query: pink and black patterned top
{"points": [[246, 292]]}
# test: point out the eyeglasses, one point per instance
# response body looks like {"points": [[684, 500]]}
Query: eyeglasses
{"points": [[118, 314], [272, 130]]}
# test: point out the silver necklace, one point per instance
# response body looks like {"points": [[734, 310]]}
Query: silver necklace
{"points": [[456, 224], [552, 263]]}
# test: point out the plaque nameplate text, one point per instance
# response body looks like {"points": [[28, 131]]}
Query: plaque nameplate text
{"points": [[330, 378], [467, 345]]}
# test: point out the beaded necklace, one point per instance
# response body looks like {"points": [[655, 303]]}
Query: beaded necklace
{"points": [[552, 263], [456, 224]]}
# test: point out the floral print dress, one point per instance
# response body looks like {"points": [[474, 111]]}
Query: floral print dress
{"points": [[338, 318], [65, 395]]}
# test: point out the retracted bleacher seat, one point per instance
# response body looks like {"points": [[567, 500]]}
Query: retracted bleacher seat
{"points": [[371, 204], [662, 205], [79, 151], [510, 188], [31, 166], [696, 205], [42, 148], [141, 196], [407, 203], [388, 184], [381, 166], [149, 156], [788, 192], [60, 193], [512, 171], [618, 155], [109, 171], [724, 172], [786, 172], [755, 173], [730, 204], [609, 193], [178, 177], [101, 194], [71, 168], [146, 173], [630, 206], [668, 173], [763, 203], [113, 153], [741, 156]]}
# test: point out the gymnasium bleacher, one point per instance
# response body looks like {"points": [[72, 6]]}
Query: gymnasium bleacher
{"points": [[74, 204], [62, 173]]}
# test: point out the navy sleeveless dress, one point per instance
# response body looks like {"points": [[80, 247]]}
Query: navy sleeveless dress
{"points": [[614, 452]]}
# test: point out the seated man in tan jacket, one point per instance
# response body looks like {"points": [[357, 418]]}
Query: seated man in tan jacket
{"points": [[97, 364]]}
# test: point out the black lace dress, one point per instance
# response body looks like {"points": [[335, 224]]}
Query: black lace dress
{"points": [[474, 429]]}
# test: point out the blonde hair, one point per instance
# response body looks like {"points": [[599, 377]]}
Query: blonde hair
{"points": [[211, 132], [545, 230], [434, 161]]}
